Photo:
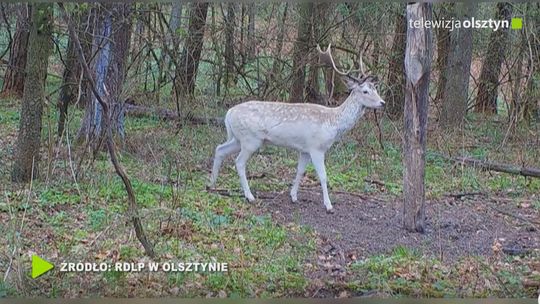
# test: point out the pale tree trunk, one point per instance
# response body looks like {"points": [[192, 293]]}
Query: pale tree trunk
{"points": [[110, 71], [417, 70], [26, 152], [457, 72], [300, 52], [396, 71], [14, 75], [486, 100]]}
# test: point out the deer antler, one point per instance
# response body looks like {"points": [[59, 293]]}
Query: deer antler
{"points": [[328, 59]]}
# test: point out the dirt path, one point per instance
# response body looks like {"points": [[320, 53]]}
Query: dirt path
{"points": [[364, 226]]}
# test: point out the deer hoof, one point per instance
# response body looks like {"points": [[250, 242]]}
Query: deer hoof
{"points": [[250, 198], [330, 211], [294, 199]]}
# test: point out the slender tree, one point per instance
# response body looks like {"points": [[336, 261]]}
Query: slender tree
{"points": [[446, 12], [395, 95], [230, 24], [74, 87], [457, 71], [14, 75], [417, 70], [486, 100], [301, 51], [26, 152], [186, 70]]}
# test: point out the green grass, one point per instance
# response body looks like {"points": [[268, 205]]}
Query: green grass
{"points": [[168, 170]]}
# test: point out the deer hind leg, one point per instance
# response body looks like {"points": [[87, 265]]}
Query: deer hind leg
{"points": [[222, 151], [241, 161], [318, 162], [303, 161]]}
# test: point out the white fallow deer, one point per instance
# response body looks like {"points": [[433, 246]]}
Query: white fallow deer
{"points": [[310, 129]]}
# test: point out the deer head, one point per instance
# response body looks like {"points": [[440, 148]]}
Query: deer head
{"points": [[361, 88]]}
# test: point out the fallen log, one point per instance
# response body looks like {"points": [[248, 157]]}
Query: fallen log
{"points": [[493, 166], [166, 114]]}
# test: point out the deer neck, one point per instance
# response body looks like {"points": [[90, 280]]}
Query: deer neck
{"points": [[348, 113]]}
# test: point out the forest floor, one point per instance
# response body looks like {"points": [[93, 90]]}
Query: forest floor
{"points": [[484, 243]]}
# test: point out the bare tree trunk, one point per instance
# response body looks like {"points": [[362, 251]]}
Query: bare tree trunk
{"points": [[14, 76], [301, 51], [396, 71], [69, 92], [417, 69], [531, 97], [186, 71], [456, 91], [251, 32], [443, 49], [26, 152], [110, 70], [276, 66], [486, 100], [230, 24]]}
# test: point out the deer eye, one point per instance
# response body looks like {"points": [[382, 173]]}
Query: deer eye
{"points": [[365, 91]]}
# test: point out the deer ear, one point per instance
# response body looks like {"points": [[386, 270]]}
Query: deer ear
{"points": [[350, 81]]}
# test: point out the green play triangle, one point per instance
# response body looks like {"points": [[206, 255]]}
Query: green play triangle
{"points": [[40, 266]]}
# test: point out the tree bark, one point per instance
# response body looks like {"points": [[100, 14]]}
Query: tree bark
{"points": [[70, 92], [301, 51], [26, 152], [251, 42], [14, 76], [395, 96], [110, 73], [186, 71], [486, 100], [443, 49], [230, 24], [417, 69], [457, 71]]}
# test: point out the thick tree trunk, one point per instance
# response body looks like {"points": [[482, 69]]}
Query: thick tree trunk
{"points": [[457, 72], [301, 52], [531, 97], [14, 76], [186, 71], [110, 70], [26, 152], [486, 100], [417, 70], [319, 28], [395, 95]]}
